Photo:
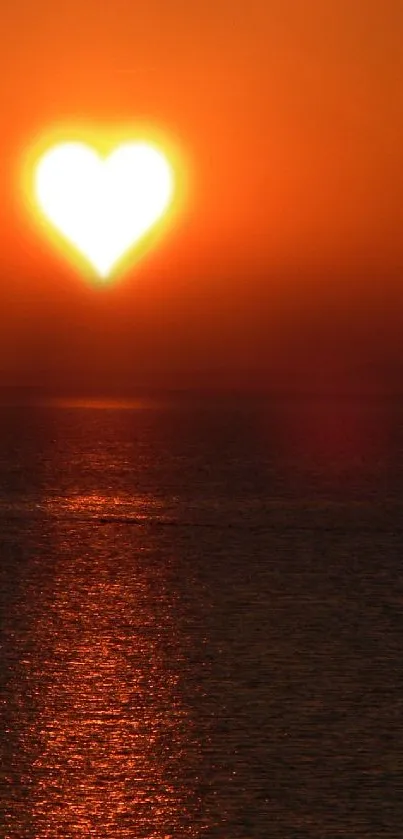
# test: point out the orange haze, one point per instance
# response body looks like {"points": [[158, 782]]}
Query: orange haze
{"points": [[290, 114]]}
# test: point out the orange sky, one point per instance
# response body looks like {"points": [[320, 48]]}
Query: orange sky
{"points": [[291, 115]]}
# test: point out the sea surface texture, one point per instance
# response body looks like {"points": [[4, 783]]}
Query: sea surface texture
{"points": [[201, 606]]}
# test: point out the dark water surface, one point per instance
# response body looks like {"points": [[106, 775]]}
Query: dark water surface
{"points": [[201, 620]]}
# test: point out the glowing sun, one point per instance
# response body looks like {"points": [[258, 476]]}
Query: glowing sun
{"points": [[102, 206]]}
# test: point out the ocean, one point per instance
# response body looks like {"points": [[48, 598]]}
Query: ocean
{"points": [[201, 603]]}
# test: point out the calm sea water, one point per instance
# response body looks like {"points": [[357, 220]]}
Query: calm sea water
{"points": [[201, 620]]}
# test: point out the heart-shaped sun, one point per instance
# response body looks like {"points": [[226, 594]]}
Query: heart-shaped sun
{"points": [[103, 206]]}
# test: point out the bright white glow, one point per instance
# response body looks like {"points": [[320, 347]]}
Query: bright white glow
{"points": [[103, 206]]}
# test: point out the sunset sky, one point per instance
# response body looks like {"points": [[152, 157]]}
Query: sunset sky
{"points": [[289, 114]]}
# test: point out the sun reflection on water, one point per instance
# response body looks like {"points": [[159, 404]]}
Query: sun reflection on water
{"points": [[111, 727]]}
